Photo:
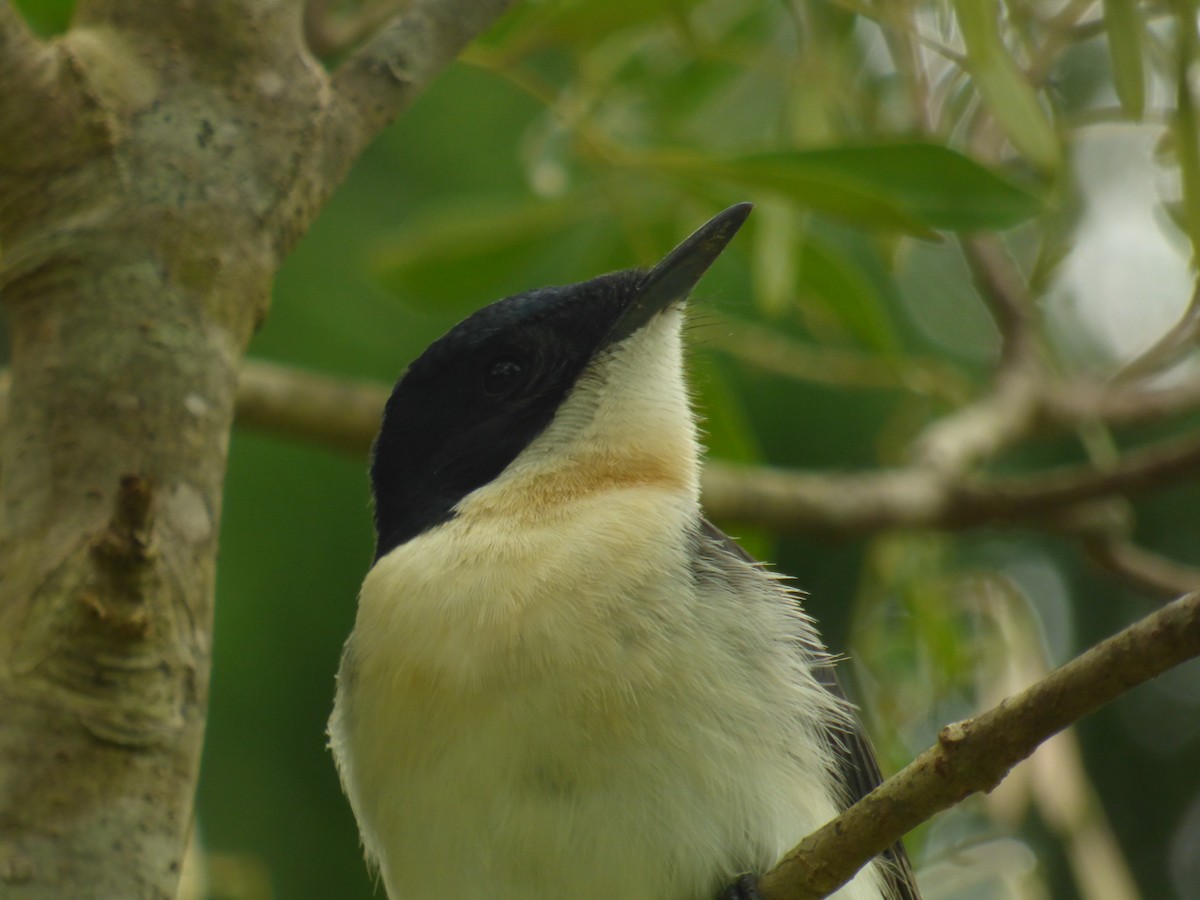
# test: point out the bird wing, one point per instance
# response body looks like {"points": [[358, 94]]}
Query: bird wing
{"points": [[852, 751]]}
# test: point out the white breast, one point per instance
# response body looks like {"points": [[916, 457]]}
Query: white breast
{"points": [[544, 713]]}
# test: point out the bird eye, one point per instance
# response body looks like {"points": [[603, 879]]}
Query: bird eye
{"points": [[503, 374]]}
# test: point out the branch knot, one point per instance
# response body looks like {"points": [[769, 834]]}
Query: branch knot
{"points": [[128, 542]]}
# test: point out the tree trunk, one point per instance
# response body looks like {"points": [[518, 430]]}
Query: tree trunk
{"points": [[156, 162]]}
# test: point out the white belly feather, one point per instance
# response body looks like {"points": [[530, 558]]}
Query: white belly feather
{"points": [[539, 717]]}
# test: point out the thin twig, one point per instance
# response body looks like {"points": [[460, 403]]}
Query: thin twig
{"points": [[1029, 496], [1003, 290], [1062, 29], [899, 32], [342, 414], [976, 754], [1067, 405], [985, 427], [1140, 568]]}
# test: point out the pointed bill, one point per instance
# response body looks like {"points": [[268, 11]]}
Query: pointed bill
{"points": [[674, 277]]}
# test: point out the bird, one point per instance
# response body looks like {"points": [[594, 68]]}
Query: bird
{"points": [[563, 682]]}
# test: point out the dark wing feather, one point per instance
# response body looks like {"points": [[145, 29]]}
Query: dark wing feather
{"points": [[852, 750]]}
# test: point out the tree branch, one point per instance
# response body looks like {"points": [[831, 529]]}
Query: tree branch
{"points": [[1069, 404], [20, 56], [1137, 471], [976, 754], [330, 31], [769, 351], [1179, 340], [1009, 411], [341, 414], [1061, 405], [1004, 292], [923, 498], [826, 502], [378, 82], [1140, 568]]}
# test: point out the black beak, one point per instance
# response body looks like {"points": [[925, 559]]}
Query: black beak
{"points": [[679, 271]]}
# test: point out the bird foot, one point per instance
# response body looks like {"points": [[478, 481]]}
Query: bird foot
{"points": [[745, 888]]}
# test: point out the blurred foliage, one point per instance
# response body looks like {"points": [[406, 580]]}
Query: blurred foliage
{"points": [[582, 136]]}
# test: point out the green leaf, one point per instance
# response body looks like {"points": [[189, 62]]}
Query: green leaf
{"points": [[1123, 24], [912, 187], [838, 194], [577, 24], [1186, 130], [46, 17], [852, 298], [773, 256], [1004, 88], [461, 255], [935, 184]]}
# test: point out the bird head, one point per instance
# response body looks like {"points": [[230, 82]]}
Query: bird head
{"points": [[546, 395]]}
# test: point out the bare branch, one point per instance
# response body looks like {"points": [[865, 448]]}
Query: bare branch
{"points": [[1030, 496], [982, 429], [382, 77], [1059, 404], [976, 754], [1069, 404], [824, 502], [922, 498], [1140, 568], [1001, 288], [344, 415], [1105, 530], [340, 413], [1008, 412]]}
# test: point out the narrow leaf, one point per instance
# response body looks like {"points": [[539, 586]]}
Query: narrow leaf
{"points": [[773, 257], [936, 185], [1004, 88], [822, 189], [1123, 23], [1186, 130], [460, 255], [911, 187], [830, 278]]}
